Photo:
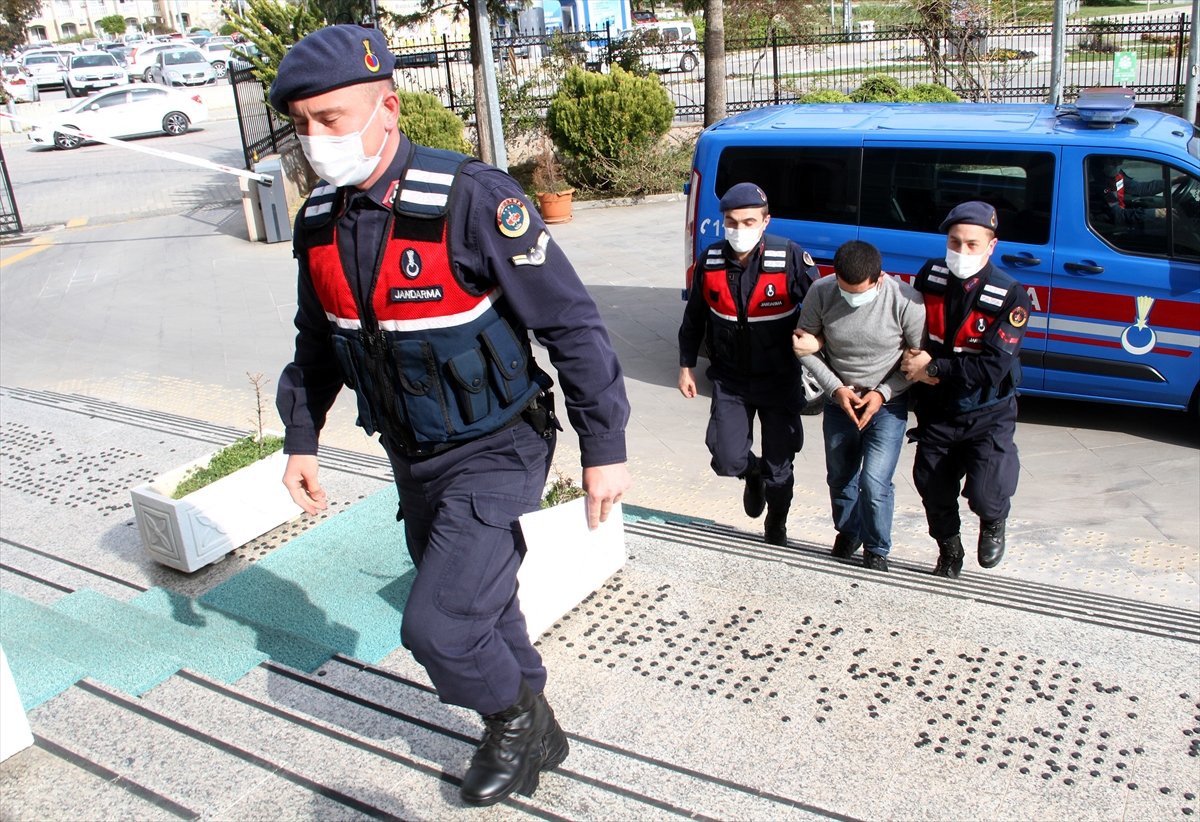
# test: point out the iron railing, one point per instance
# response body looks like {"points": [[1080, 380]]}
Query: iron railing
{"points": [[997, 63], [10, 218], [263, 131]]}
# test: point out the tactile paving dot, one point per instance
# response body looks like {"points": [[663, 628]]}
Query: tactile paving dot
{"points": [[276, 538], [1044, 719], [31, 462]]}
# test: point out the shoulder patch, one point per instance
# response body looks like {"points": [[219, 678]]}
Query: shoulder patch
{"points": [[808, 260], [512, 218], [1018, 317]]}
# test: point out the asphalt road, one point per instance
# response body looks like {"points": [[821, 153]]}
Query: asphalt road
{"points": [[105, 184]]}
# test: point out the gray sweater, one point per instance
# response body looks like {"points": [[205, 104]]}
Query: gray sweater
{"points": [[863, 345]]}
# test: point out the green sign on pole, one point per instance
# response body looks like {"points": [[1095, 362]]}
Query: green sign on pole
{"points": [[1124, 68]]}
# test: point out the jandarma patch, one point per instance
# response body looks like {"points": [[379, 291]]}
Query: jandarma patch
{"points": [[416, 295], [1018, 317], [512, 218]]}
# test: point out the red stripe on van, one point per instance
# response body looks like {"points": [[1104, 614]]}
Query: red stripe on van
{"points": [[1122, 308]]}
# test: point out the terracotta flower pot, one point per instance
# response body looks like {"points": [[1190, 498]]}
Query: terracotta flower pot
{"points": [[556, 208]]}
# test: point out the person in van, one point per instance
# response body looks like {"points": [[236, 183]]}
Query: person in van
{"points": [[864, 320], [966, 404], [1117, 191], [744, 301]]}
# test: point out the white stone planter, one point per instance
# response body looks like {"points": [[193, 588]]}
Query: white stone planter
{"points": [[189, 533]]}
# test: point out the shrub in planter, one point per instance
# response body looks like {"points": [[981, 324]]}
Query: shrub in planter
{"points": [[596, 114], [425, 121]]}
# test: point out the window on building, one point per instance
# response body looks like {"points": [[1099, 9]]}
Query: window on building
{"points": [[69, 30]]}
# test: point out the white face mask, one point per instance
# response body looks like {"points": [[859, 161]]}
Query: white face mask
{"points": [[861, 298], [342, 161], [964, 266], [742, 240]]}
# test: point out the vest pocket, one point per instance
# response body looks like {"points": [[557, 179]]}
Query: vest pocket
{"points": [[420, 393], [348, 360], [470, 374], [510, 367]]}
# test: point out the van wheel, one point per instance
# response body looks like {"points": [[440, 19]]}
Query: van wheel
{"points": [[176, 123], [66, 141], [688, 62], [813, 394]]}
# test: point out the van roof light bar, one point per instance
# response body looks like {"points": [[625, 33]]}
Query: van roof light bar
{"points": [[1104, 107]]}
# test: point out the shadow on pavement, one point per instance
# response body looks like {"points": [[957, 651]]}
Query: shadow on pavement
{"points": [[1158, 424]]}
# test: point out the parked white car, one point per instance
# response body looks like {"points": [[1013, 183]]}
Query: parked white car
{"points": [[93, 71], [218, 57], [182, 67], [143, 56], [45, 67], [125, 111], [19, 84]]}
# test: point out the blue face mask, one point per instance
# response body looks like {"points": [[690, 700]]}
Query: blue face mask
{"points": [[857, 300]]}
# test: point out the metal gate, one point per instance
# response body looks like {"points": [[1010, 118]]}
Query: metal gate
{"points": [[10, 219], [263, 131]]}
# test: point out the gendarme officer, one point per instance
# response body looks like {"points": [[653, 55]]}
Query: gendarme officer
{"points": [[745, 300], [422, 273], [967, 397]]}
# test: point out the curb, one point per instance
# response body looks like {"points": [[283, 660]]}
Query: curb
{"points": [[624, 202]]}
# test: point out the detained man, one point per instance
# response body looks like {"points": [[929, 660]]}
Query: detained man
{"points": [[863, 321]]}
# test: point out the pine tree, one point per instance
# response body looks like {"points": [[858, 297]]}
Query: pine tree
{"points": [[273, 27]]}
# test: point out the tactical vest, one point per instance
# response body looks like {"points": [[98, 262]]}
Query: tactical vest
{"points": [[967, 339], [756, 340], [432, 360]]}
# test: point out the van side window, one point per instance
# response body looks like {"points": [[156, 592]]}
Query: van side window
{"points": [[1127, 203], [815, 184], [1185, 215], [914, 189]]}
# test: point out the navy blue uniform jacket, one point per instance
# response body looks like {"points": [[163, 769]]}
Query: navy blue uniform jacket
{"points": [[549, 299]]}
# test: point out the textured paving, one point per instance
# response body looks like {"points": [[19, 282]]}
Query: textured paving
{"points": [[712, 677]]}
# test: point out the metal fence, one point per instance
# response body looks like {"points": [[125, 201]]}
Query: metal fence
{"points": [[997, 63], [263, 131], [10, 219]]}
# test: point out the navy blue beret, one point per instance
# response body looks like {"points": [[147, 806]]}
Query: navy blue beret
{"points": [[328, 59], [972, 213], [743, 195]]}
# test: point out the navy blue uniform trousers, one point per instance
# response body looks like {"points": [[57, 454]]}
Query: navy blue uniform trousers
{"points": [[463, 621], [979, 446], [735, 402]]}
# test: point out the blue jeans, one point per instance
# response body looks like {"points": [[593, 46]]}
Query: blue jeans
{"points": [[860, 466]]}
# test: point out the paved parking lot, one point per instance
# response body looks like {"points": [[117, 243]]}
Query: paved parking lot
{"points": [[171, 312]]}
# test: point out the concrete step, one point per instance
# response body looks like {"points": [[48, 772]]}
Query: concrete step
{"points": [[378, 769], [207, 648], [178, 766], [49, 782], [598, 780], [124, 664]]}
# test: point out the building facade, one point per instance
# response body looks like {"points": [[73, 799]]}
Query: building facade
{"points": [[61, 19]]}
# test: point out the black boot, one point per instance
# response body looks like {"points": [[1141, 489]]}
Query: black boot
{"points": [[844, 547], [754, 498], [950, 558], [779, 502], [514, 749], [874, 562], [991, 542]]}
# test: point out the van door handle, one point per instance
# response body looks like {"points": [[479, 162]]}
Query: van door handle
{"points": [[1084, 268], [1014, 259]]}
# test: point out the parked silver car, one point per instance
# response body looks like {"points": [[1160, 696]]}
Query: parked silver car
{"points": [[182, 67], [46, 69]]}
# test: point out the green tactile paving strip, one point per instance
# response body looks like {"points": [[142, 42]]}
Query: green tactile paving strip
{"points": [[636, 513], [114, 660], [342, 584], [276, 643], [38, 675], [206, 650]]}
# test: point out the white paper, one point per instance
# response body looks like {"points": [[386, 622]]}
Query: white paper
{"points": [[14, 727], [565, 561]]}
